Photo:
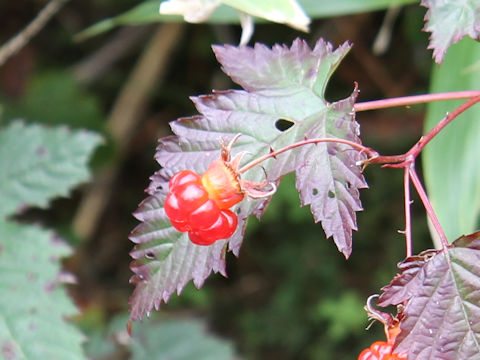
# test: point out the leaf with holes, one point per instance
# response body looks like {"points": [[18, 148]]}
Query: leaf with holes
{"points": [[449, 21], [38, 163], [443, 310], [34, 305], [283, 103]]}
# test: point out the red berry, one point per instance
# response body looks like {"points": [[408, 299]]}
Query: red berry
{"points": [[181, 226], [223, 228], [204, 216], [183, 177], [380, 350], [173, 210], [190, 196], [200, 205]]}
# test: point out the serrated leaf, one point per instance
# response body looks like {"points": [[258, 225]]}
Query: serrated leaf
{"points": [[449, 21], [450, 161], [442, 316], [33, 305], [178, 340], [147, 12], [39, 163], [281, 83]]}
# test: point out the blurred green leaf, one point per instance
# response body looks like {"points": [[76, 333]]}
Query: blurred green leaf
{"points": [[281, 11], [178, 340], [451, 160], [344, 315], [56, 98], [39, 163], [327, 8], [34, 305], [147, 12]]}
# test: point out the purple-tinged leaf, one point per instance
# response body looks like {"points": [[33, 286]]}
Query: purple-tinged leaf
{"points": [[442, 317], [449, 21], [282, 83]]}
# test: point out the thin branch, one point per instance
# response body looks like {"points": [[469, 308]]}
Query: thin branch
{"points": [[441, 125], [408, 214], [398, 161], [415, 99], [428, 206], [370, 152], [16, 43]]}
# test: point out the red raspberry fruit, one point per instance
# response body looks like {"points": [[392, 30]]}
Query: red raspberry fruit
{"points": [[380, 350], [223, 228], [201, 211], [186, 195]]}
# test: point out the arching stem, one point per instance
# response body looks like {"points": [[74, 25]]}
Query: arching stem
{"points": [[415, 99], [428, 206], [370, 152], [408, 214]]}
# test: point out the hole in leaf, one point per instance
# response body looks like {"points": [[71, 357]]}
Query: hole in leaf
{"points": [[315, 192], [284, 124], [331, 195], [150, 255]]}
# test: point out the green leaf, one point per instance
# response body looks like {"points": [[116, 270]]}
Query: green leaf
{"points": [[449, 21], [34, 305], [326, 8], [281, 11], [451, 160], [147, 12], [56, 98], [342, 314], [178, 340], [39, 163]]}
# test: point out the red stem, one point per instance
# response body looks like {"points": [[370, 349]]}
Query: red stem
{"points": [[406, 161], [415, 99], [428, 206], [272, 154], [408, 218], [424, 140]]}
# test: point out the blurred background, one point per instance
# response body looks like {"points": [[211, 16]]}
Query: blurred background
{"points": [[290, 294]]}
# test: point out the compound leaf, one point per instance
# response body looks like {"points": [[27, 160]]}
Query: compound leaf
{"points": [[442, 291], [34, 306], [449, 21], [281, 84], [39, 163]]}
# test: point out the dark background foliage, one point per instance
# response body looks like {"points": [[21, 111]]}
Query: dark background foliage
{"points": [[291, 294]]}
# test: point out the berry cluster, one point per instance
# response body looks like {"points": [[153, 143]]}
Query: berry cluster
{"points": [[380, 350], [200, 205]]}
